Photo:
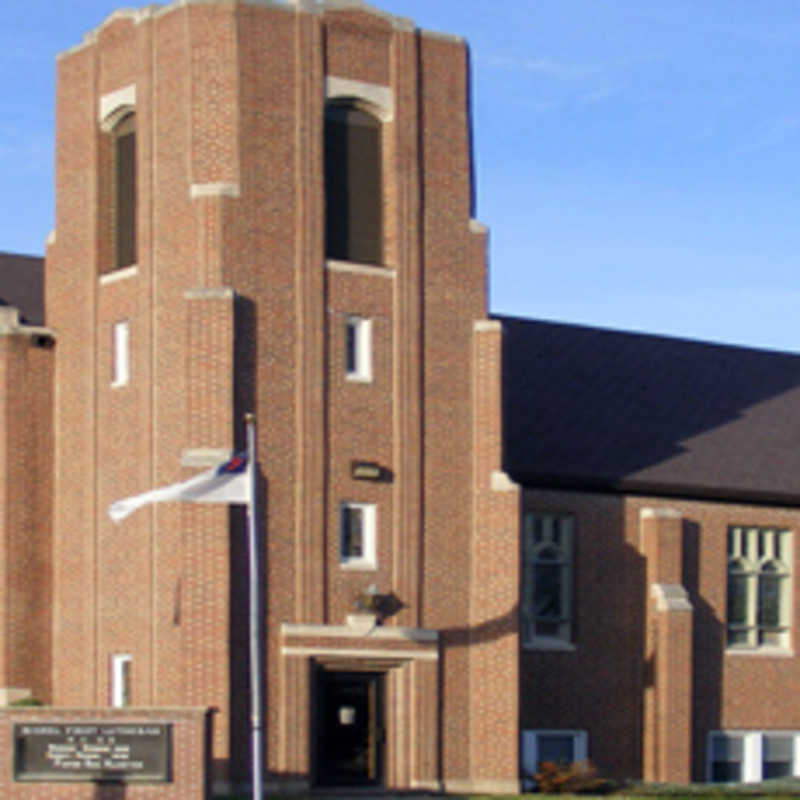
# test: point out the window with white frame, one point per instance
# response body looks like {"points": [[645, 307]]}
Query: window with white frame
{"points": [[759, 586], [752, 756], [357, 535], [120, 680], [358, 348], [547, 576], [121, 371], [556, 746]]}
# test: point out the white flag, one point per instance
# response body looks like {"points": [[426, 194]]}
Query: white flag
{"points": [[227, 483]]}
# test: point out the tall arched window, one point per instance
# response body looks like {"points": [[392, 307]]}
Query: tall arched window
{"points": [[124, 197], [353, 184], [547, 571]]}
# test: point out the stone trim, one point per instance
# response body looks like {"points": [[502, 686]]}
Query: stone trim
{"points": [[10, 324], [360, 269], [221, 189], [213, 293], [477, 227], [114, 105], [490, 325], [659, 513], [431, 785], [118, 275], [501, 482], [354, 631], [760, 652], [670, 597], [481, 786], [379, 99], [367, 653], [445, 37]]}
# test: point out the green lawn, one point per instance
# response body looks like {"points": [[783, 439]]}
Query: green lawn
{"points": [[784, 789]]}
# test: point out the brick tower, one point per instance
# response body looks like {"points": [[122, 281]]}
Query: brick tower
{"points": [[267, 207]]}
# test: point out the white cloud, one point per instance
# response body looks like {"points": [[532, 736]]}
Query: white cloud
{"points": [[771, 132], [546, 67]]}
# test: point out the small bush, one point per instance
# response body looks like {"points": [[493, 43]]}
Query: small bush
{"points": [[580, 777], [27, 701]]}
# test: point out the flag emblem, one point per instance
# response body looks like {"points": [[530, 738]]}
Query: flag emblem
{"points": [[228, 482], [237, 464]]}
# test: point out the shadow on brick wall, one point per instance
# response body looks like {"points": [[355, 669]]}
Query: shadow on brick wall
{"points": [[595, 682], [708, 647]]}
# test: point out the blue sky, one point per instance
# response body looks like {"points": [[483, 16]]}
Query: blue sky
{"points": [[637, 162]]}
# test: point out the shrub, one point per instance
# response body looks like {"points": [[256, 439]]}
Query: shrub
{"points": [[27, 701], [581, 777]]}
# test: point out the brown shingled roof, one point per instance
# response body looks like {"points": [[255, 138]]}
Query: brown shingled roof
{"points": [[22, 286], [586, 408]]}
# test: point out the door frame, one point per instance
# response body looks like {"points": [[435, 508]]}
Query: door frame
{"points": [[374, 681]]}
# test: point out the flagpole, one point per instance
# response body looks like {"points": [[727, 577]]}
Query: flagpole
{"points": [[255, 614]]}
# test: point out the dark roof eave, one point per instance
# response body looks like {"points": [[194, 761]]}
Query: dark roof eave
{"points": [[656, 489]]}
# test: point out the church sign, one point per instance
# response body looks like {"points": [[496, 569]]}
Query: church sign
{"points": [[128, 752]]}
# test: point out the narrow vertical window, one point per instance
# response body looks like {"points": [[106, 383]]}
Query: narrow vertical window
{"points": [[120, 680], [121, 354], [547, 579], [124, 136], [357, 535], [353, 185], [358, 348]]}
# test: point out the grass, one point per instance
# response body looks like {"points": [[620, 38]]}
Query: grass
{"points": [[691, 792], [780, 789]]}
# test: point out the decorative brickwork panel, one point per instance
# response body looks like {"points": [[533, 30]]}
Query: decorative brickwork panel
{"points": [[214, 75], [357, 46]]}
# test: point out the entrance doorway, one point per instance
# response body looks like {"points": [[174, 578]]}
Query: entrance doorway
{"points": [[350, 733]]}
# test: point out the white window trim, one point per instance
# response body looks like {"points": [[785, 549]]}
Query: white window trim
{"points": [[752, 750], [530, 749], [361, 372], [120, 664], [121, 338], [368, 560]]}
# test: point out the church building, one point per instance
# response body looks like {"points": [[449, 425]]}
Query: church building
{"points": [[485, 542]]}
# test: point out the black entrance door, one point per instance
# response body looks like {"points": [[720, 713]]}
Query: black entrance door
{"points": [[349, 728]]}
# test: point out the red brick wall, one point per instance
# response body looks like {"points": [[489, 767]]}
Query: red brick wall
{"points": [[600, 685], [26, 374], [494, 589], [229, 100]]}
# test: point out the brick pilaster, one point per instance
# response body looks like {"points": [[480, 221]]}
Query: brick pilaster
{"points": [[494, 589], [667, 706]]}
